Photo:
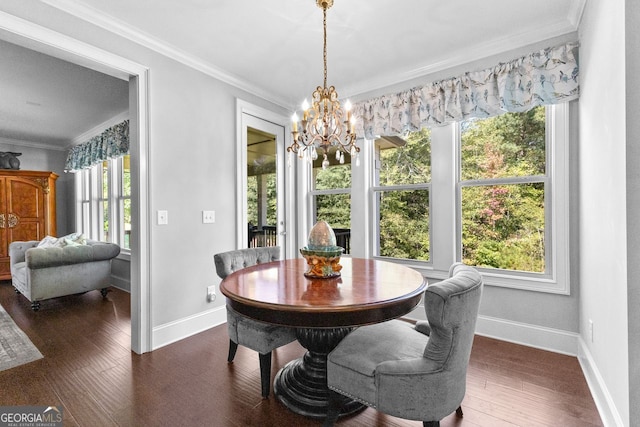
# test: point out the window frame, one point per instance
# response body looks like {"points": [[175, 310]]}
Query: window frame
{"points": [[445, 208], [555, 279], [89, 202]]}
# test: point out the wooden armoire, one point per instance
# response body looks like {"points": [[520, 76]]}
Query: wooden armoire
{"points": [[27, 210]]}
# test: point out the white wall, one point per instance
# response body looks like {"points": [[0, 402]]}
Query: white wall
{"points": [[36, 158], [632, 38], [602, 194]]}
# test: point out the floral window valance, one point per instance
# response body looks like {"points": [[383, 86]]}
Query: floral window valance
{"points": [[113, 142], [549, 76]]}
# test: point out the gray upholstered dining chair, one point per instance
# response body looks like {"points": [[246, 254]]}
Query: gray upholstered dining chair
{"points": [[258, 336], [413, 372]]}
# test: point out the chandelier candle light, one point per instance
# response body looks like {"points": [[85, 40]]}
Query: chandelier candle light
{"points": [[325, 123]]}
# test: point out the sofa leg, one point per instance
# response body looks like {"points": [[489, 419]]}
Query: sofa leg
{"points": [[104, 292], [35, 305], [431, 423], [265, 373], [459, 412], [17, 291]]}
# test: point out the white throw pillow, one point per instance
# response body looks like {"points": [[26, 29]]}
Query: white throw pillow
{"points": [[49, 242], [73, 239]]}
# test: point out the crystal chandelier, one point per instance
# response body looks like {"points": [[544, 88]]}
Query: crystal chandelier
{"points": [[325, 124]]}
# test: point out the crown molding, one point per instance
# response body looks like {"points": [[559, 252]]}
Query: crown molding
{"points": [[576, 13], [31, 144], [97, 130], [122, 29]]}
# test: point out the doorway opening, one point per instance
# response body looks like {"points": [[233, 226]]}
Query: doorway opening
{"points": [[32, 36]]}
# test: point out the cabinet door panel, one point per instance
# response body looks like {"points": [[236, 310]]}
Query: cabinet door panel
{"points": [[4, 243], [5, 268], [25, 231], [25, 210], [25, 198]]}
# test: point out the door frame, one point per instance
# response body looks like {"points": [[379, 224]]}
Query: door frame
{"points": [[35, 37], [247, 115]]}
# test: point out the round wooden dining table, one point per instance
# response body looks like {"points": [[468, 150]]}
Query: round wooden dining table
{"points": [[323, 311]]}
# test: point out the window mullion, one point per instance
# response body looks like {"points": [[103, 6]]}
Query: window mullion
{"points": [[94, 209], [443, 197], [424, 186], [330, 191], [504, 181], [114, 201]]}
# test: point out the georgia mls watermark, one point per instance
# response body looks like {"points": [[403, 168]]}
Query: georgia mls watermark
{"points": [[30, 416]]}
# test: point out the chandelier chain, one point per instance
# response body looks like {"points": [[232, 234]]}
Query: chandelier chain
{"points": [[324, 55]]}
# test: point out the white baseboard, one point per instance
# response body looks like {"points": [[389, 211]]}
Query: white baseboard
{"points": [[182, 328], [540, 337], [601, 396], [550, 339], [121, 283]]}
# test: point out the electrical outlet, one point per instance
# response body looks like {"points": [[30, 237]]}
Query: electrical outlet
{"points": [[591, 330], [211, 293], [163, 217], [208, 217]]}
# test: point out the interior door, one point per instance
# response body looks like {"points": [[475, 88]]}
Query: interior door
{"points": [[263, 211]]}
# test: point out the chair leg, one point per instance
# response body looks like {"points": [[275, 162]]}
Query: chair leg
{"points": [[265, 373], [233, 347], [437, 423], [334, 409]]}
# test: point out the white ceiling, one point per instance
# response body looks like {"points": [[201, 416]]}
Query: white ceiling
{"points": [[49, 101], [274, 49]]}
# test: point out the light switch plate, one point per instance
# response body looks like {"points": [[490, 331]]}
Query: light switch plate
{"points": [[163, 217], [208, 217]]}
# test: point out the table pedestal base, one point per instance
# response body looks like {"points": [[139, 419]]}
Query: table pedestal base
{"points": [[301, 385]]}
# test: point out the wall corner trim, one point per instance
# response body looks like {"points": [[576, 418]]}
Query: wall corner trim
{"points": [[601, 396]]}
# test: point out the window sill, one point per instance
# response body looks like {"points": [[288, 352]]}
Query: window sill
{"points": [[124, 255], [491, 278]]}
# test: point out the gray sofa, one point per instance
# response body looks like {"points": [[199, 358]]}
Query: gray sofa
{"points": [[43, 273]]}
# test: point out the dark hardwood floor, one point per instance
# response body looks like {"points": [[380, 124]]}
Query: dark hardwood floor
{"points": [[89, 370]]}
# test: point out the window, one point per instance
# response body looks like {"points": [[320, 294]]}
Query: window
{"points": [[401, 192], [104, 201], [124, 202], [503, 183], [492, 193], [331, 198]]}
